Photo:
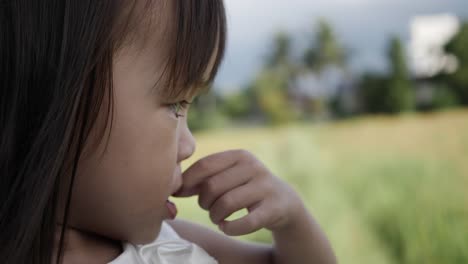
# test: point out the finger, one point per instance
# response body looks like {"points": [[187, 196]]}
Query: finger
{"points": [[255, 220], [206, 167], [221, 183], [233, 201]]}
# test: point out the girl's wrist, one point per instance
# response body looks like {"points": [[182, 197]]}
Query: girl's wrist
{"points": [[297, 215]]}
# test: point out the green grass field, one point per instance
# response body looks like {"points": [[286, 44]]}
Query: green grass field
{"points": [[385, 189]]}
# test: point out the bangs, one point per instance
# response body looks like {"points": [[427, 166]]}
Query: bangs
{"points": [[193, 34], [198, 47]]}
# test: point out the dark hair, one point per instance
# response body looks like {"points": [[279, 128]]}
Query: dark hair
{"points": [[55, 70]]}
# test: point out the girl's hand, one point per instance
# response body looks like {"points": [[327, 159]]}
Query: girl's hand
{"points": [[229, 181]]}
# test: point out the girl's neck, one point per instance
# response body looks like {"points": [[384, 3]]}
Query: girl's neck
{"points": [[84, 247]]}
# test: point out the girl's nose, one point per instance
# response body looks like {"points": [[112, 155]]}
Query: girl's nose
{"points": [[187, 144]]}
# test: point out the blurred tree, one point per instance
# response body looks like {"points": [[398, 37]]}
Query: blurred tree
{"points": [[238, 105], [400, 96], [203, 112], [270, 89], [458, 46], [323, 53], [444, 97], [324, 49], [279, 56], [373, 91]]}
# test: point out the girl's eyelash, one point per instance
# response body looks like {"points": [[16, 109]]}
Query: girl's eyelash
{"points": [[176, 107]]}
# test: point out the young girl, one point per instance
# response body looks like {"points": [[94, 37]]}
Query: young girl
{"points": [[94, 98]]}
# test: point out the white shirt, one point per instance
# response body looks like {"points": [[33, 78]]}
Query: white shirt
{"points": [[167, 248]]}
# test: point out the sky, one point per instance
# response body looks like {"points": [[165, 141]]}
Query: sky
{"points": [[362, 26]]}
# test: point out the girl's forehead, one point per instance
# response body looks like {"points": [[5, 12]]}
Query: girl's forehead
{"points": [[184, 38]]}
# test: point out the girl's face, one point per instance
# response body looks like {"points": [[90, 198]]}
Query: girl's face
{"points": [[122, 193]]}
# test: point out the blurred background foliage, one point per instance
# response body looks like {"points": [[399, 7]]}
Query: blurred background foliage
{"points": [[274, 96], [380, 158]]}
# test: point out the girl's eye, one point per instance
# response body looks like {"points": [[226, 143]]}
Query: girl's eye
{"points": [[178, 106]]}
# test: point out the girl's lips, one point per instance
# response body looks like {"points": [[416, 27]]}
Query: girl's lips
{"points": [[172, 209]]}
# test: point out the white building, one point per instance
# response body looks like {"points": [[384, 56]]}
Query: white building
{"points": [[429, 34]]}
